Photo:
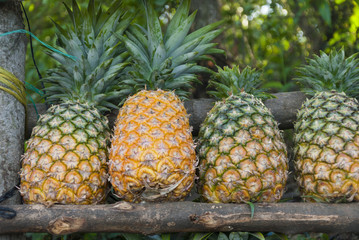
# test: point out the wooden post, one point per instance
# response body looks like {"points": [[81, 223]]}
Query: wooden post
{"points": [[12, 112]]}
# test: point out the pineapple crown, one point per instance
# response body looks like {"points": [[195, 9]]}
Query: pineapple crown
{"points": [[93, 77], [231, 81], [329, 72], [168, 60]]}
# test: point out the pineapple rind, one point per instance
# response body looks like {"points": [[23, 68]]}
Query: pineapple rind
{"points": [[327, 148], [152, 155], [66, 157], [241, 152]]}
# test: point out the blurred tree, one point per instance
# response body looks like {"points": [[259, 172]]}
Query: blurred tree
{"points": [[326, 23], [277, 35], [262, 34], [208, 11]]}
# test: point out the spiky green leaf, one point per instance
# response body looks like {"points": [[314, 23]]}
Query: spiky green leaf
{"points": [[100, 56], [230, 81], [179, 17], [169, 60], [328, 72], [154, 30], [177, 37]]}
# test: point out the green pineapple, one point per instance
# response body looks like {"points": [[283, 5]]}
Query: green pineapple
{"points": [[66, 158], [241, 151], [327, 129], [152, 156]]}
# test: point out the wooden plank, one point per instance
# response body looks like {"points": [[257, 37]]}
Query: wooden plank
{"points": [[284, 108], [154, 218]]}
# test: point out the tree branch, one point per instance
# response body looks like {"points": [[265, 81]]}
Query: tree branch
{"points": [[154, 218]]}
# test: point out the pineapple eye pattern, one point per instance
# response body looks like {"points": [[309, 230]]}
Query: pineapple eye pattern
{"points": [[327, 148], [243, 158], [164, 164]]}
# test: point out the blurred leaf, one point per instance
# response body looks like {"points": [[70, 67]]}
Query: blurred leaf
{"points": [[339, 1], [201, 236], [166, 236], [324, 10], [90, 236], [222, 236], [235, 236], [37, 236], [132, 236], [251, 205], [258, 235], [276, 236], [273, 85]]}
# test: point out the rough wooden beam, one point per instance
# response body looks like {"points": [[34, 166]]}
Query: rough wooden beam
{"points": [[153, 218], [283, 107]]}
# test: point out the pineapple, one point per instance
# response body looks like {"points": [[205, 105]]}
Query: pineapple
{"points": [[152, 155], [66, 157], [327, 129], [241, 151]]}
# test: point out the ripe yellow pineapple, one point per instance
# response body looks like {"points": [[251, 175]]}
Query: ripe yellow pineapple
{"points": [[152, 155], [242, 154], [327, 129], [66, 157]]}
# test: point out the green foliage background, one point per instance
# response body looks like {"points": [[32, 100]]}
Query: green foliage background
{"points": [[272, 35]]}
